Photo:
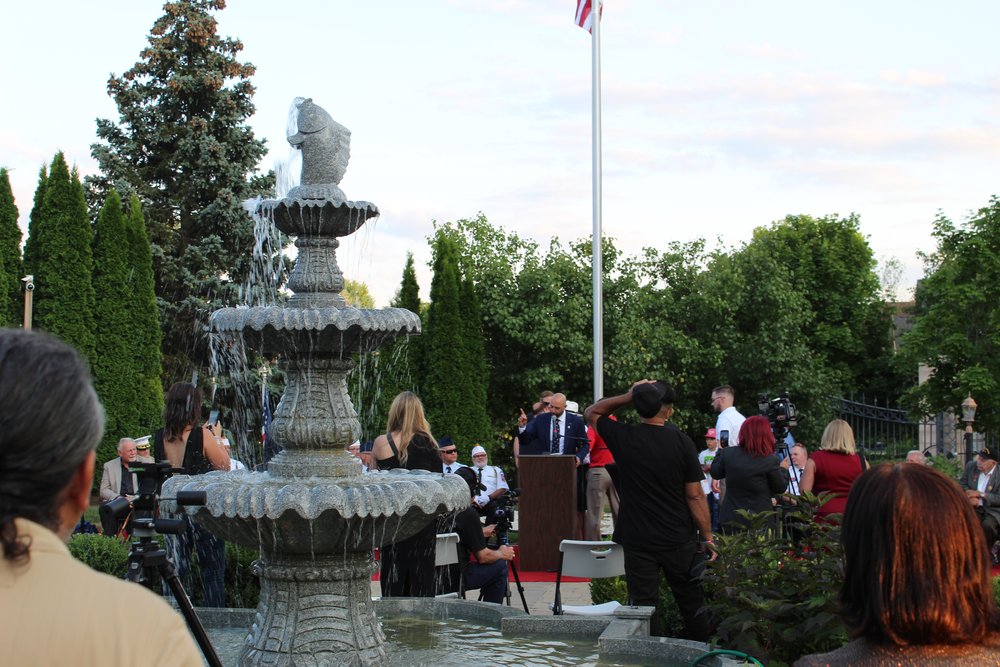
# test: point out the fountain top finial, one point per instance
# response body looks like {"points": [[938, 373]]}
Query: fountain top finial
{"points": [[326, 150]]}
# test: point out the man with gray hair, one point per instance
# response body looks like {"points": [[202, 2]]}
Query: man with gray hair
{"points": [[916, 456], [117, 480], [54, 609]]}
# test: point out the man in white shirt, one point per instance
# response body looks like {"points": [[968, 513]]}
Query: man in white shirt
{"points": [[981, 482], [730, 420], [490, 477]]}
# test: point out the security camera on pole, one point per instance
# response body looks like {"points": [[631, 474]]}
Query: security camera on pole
{"points": [[29, 289]]}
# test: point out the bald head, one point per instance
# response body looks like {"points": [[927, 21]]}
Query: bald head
{"points": [[557, 404]]}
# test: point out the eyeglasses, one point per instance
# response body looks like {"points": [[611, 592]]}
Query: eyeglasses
{"points": [[449, 451], [547, 404], [479, 456]]}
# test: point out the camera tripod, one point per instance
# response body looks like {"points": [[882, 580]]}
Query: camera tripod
{"points": [[503, 539], [146, 556]]}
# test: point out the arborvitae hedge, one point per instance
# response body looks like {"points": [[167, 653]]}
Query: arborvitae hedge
{"points": [[145, 322], [64, 293], [35, 223], [112, 365], [11, 304]]}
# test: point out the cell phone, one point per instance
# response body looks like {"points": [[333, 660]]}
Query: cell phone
{"points": [[724, 438], [213, 417]]}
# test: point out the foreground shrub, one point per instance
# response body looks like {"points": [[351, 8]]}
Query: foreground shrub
{"points": [[104, 554], [773, 592]]}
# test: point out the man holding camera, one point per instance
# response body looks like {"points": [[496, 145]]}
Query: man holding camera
{"points": [[54, 609], [482, 568]]}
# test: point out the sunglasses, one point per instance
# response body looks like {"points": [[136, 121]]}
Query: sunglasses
{"points": [[449, 451]]}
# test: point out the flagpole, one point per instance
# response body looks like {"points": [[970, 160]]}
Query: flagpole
{"points": [[597, 234]]}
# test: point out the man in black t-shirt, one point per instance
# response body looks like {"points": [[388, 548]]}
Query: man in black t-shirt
{"points": [[482, 568], [663, 508]]}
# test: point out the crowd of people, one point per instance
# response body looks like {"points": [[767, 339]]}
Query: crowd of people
{"points": [[917, 545]]}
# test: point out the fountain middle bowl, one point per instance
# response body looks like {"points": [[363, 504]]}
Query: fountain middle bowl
{"points": [[319, 515], [273, 330]]}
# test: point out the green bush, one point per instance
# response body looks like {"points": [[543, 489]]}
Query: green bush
{"points": [[104, 554], [996, 589], [773, 598], [950, 467]]}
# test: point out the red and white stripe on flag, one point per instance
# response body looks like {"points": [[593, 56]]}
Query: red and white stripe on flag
{"points": [[584, 15]]}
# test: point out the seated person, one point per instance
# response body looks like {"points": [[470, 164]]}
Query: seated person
{"points": [[118, 481], [493, 481], [54, 610], [981, 481], [482, 568]]}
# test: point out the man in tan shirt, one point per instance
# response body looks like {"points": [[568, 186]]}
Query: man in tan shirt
{"points": [[55, 610]]}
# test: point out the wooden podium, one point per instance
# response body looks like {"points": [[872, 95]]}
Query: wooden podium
{"points": [[547, 509]]}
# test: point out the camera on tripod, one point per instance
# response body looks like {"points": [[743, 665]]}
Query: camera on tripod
{"points": [[504, 513], [780, 412]]}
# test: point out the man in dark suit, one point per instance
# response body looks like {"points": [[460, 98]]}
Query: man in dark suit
{"points": [[555, 432], [981, 481]]}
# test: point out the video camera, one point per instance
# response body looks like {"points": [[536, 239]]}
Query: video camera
{"points": [[150, 477], [504, 514], [780, 412]]}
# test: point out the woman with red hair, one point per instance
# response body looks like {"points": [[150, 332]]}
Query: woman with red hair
{"points": [[752, 473]]}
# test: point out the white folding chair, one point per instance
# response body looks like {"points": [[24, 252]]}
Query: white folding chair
{"points": [[592, 560], [446, 553]]}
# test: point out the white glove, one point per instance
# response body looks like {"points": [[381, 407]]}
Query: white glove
{"points": [[482, 500]]}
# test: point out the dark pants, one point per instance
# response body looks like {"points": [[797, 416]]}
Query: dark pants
{"points": [[408, 565], [211, 561], [491, 580], [991, 529], [642, 575], [713, 511]]}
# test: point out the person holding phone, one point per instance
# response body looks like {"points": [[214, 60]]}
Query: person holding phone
{"points": [[730, 420], [196, 448]]}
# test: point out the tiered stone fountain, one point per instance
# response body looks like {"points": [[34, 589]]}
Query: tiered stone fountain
{"points": [[314, 515]]}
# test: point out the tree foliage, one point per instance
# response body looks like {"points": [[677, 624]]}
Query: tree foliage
{"points": [[112, 365], [144, 325], [61, 248], [452, 391], [183, 145], [11, 270], [956, 329], [357, 295]]}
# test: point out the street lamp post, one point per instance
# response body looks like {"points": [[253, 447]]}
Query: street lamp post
{"points": [[968, 416], [29, 290]]}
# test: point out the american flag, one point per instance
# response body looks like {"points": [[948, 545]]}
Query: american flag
{"points": [[584, 16]]}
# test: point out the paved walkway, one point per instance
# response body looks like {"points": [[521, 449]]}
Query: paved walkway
{"points": [[538, 595]]}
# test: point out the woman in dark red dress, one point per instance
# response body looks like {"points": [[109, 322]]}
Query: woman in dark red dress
{"points": [[834, 467]]}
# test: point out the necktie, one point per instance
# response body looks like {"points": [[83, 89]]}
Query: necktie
{"points": [[554, 449], [479, 476], [448, 469]]}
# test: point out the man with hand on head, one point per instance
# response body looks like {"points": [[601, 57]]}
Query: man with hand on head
{"points": [[54, 610], [664, 512]]}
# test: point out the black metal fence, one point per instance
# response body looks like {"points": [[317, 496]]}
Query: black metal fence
{"points": [[888, 431]]}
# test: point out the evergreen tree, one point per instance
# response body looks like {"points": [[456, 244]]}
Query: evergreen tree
{"points": [[35, 223], [11, 309], [447, 388], [476, 374], [64, 292], [112, 366], [182, 143], [145, 323], [408, 295]]}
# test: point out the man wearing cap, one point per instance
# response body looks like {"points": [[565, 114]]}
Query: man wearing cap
{"points": [[664, 511], [142, 450], [981, 482], [449, 456], [705, 458], [493, 481], [482, 568]]}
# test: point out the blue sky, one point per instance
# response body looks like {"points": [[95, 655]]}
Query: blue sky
{"points": [[719, 116]]}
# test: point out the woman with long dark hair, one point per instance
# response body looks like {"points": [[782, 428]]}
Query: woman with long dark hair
{"points": [[917, 587], [197, 448], [752, 473], [408, 565], [834, 467]]}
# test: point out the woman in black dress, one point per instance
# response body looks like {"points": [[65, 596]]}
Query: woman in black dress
{"points": [[408, 565], [198, 449]]}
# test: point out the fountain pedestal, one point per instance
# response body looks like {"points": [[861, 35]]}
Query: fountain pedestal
{"points": [[314, 516]]}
